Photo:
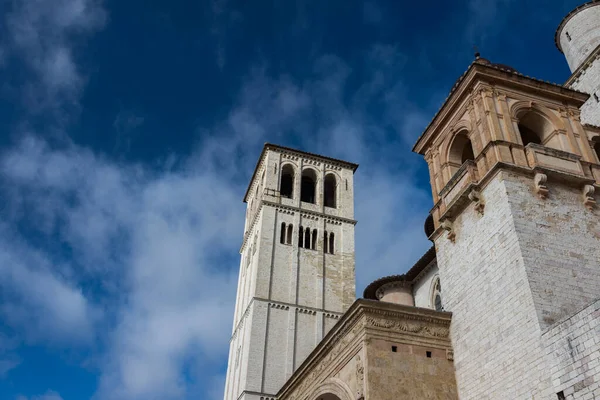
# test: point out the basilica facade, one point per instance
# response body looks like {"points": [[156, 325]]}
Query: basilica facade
{"points": [[506, 302]]}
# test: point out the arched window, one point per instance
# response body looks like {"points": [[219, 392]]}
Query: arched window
{"points": [[325, 243], [436, 296], [308, 186], [314, 239], [330, 190], [535, 128], [300, 236], [331, 243], [282, 234], [596, 143], [290, 230], [307, 238], [286, 187], [461, 150]]}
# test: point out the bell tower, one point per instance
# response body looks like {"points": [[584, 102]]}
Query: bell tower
{"points": [[578, 38], [513, 173], [297, 267]]}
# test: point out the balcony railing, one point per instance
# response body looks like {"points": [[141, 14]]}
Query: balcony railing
{"points": [[558, 160], [462, 179]]}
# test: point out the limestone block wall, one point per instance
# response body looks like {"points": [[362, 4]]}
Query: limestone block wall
{"points": [[524, 266], [588, 81], [560, 245], [422, 288], [573, 354], [411, 372], [495, 332]]}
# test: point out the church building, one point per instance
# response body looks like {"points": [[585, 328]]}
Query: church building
{"points": [[506, 302]]}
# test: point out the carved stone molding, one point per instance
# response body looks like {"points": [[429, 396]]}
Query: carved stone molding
{"points": [[475, 197], [588, 197], [360, 378], [540, 185], [411, 327], [449, 227]]}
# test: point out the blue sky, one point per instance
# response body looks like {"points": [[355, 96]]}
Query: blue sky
{"points": [[130, 130]]}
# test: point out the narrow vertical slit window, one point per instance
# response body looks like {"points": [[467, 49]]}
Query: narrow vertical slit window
{"points": [[331, 243], [290, 230], [325, 244], [307, 238], [282, 235], [314, 239], [300, 236]]}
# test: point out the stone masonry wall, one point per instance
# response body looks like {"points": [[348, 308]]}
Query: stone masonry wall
{"points": [[573, 354], [560, 244], [519, 270], [495, 332], [589, 82], [408, 373]]}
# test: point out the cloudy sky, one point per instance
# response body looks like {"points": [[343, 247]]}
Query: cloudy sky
{"points": [[130, 128]]}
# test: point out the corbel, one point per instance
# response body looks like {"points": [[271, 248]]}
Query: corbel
{"points": [[588, 197], [447, 225], [540, 185], [475, 197]]}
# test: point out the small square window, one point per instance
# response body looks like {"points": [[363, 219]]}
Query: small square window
{"points": [[394, 349], [561, 395], [428, 353]]}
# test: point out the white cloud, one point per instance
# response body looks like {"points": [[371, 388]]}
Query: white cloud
{"points": [[160, 245], [40, 34]]}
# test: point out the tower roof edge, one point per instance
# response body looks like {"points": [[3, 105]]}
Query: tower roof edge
{"points": [[276, 147]]}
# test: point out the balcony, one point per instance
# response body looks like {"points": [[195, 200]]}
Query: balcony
{"points": [[539, 156], [458, 187]]}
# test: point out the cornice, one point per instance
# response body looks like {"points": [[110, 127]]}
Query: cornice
{"points": [[293, 209], [490, 75], [288, 150]]}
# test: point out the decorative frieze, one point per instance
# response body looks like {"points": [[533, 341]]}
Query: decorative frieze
{"points": [[410, 327]]}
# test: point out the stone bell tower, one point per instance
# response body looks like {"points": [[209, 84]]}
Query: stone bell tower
{"points": [[517, 234], [578, 38], [297, 267]]}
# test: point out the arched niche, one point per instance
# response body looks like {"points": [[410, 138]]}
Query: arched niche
{"points": [[330, 191], [308, 187], [460, 150], [286, 186], [537, 124]]}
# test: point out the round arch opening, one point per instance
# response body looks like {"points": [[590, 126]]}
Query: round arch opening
{"points": [[461, 150], [328, 396]]}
